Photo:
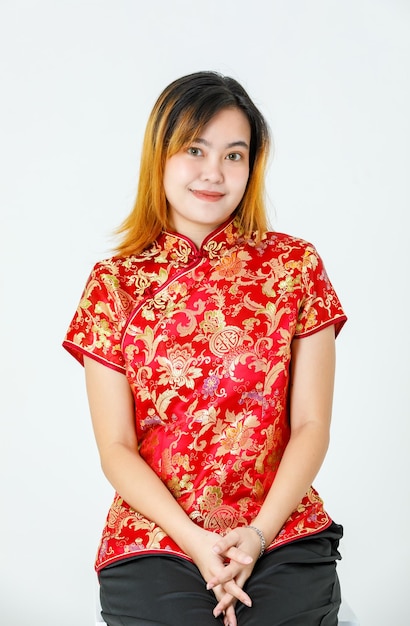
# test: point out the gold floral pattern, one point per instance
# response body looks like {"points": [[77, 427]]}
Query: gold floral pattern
{"points": [[204, 338]]}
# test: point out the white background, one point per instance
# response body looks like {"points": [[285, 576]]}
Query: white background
{"points": [[78, 80]]}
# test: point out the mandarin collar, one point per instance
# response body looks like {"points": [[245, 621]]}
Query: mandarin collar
{"points": [[218, 243]]}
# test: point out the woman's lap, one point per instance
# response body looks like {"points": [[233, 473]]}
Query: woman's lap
{"points": [[295, 585], [155, 591]]}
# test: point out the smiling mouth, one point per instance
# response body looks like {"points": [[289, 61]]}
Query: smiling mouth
{"points": [[209, 196]]}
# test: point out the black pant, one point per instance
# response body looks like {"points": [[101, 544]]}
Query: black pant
{"points": [[295, 585]]}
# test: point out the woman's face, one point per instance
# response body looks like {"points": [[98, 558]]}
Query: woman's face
{"points": [[206, 180]]}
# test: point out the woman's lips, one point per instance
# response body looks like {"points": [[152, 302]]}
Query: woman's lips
{"points": [[209, 196]]}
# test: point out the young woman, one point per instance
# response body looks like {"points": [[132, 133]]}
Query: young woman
{"points": [[208, 346]]}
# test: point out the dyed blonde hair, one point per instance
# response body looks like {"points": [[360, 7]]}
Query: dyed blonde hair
{"points": [[178, 117]]}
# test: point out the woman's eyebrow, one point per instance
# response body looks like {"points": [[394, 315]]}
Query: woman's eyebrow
{"points": [[240, 144], [233, 144]]}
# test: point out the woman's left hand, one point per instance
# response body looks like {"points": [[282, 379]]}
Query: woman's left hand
{"points": [[232, 547]]}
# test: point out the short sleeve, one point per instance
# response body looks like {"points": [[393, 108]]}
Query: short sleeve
{"points": [[95, 329], [319, 306]]}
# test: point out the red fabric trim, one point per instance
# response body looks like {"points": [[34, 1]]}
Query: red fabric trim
{"points": [[131, 555], [78, 353], [338, 323], [276, 543]]}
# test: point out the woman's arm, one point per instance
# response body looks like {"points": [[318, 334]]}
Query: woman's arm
{"points": [[311, 395], [112, 413], [113, 417]]}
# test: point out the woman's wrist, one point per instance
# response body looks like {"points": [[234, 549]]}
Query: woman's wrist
{"points": [[261, 538], [192, 539]]}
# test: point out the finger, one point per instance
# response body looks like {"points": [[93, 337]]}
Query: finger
{"points": [[224, 543], [238, 555], [230, 617], [223, 605], [224, 601], [227, 547], [232, 591], [237, 592], [226, 573], [234, 554]]}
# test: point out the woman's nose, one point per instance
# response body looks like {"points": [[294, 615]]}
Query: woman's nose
{"points": [[212, 170]]}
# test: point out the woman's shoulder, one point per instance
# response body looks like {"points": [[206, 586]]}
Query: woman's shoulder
{"points": [[287, 238], [111, 269], [120, 266], [285, 243], [112, 264]]}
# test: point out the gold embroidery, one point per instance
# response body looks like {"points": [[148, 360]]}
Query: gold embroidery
{"points": [[207, 352]]}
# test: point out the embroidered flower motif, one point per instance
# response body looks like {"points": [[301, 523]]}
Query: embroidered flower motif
{"points": [[110, 281], [211, 498], [210, 385], [178, 485], [152, 419], [85, 303], [102, 329], [235, 439], [213, 248], [309, 320], [310, 258], [229, 233], [230, 266], [170, 242], [177, 289], [255, 395], [178, 249], [213, 322], [287, 285], [178, 368], [143, 281]]}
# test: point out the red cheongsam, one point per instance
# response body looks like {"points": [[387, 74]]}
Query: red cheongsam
{"points": [[204, 338]]}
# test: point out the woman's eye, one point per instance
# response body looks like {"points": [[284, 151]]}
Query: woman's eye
{"points": [[234, 156], [194, 151]]}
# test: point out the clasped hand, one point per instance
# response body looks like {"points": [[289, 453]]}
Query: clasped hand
{"points": [[226, 563]]}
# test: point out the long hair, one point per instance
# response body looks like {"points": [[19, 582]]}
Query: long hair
{"points": [[178, 117]]}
